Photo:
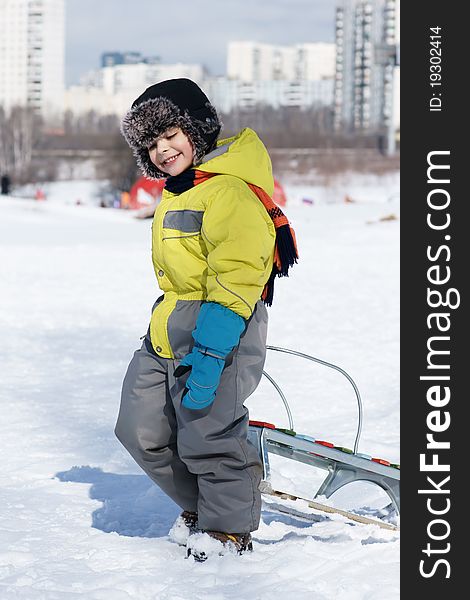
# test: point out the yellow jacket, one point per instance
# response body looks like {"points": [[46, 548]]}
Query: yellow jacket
{"points": [[213, 242]]}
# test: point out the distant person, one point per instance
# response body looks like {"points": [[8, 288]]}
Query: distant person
{"points": [[5, 185], [39, 194], [125, 200], [218, 243]]}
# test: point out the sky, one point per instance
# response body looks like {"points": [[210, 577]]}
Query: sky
{"points": [[187, 31]]}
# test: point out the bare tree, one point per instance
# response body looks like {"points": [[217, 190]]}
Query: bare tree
{"points": [[4, 153], [20, 130], [118, 165]]}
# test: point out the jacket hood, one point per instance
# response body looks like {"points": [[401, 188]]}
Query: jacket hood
{"points": [[244, 156]]}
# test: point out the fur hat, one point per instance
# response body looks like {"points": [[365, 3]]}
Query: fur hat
{"points": [[172, 103]]}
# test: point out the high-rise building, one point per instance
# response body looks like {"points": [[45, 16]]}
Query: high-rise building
{"points": [[32, 50], [367, 38]]}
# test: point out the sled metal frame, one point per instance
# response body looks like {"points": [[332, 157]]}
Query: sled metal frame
{"points": [[325, 364], [342, 467]]}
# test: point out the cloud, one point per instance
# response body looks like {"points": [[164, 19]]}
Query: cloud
{"points": [[192, 32]]}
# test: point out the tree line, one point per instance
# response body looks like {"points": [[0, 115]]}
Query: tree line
{"points": [[24, 136]]}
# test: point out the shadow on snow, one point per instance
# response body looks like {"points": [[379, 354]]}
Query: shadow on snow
{"points": [[132, 504]]}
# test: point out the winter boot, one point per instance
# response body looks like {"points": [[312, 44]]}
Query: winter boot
{"points": [[185, 525], [202, 544]]}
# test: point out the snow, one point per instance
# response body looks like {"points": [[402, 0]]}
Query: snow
{"points": [[78, 517]]}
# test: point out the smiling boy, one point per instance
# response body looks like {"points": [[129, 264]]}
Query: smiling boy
{"points": [[172, 152], [218, 242]]}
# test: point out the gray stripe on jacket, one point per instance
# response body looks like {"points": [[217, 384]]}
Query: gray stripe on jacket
{"points": [[189, 221]]}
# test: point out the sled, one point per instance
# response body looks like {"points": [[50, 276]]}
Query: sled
{"points": [[342, 465]]}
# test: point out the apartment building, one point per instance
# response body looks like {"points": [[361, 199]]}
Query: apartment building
{"points": [[367, 73], [254, 61], [32, 51]]}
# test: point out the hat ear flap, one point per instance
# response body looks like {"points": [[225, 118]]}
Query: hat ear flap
{"points": [[202, 126], [149, 170], [142, 124]]}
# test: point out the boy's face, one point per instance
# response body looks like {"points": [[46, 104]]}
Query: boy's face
{"points": [[172, 152]]}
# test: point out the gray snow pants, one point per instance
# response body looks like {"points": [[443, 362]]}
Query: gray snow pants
{"points": [[200, 458]]}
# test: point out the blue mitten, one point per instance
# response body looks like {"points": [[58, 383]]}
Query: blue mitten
{"points": [[217, 332]]}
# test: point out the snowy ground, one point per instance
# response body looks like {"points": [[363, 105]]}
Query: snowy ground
{"points": [[78, 519]]}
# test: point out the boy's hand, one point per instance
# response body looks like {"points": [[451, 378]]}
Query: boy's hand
{"points": [[217, 332], [206, 368]]}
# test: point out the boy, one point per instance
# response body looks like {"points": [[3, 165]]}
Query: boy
{"points": [[182, 416]]}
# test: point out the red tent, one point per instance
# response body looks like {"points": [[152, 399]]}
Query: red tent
{"points": [[145, 193], [279, 195]]}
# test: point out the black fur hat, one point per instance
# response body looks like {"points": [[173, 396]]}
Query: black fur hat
{"points": [[175, 102]]}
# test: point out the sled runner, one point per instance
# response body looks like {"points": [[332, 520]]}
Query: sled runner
{"points": [[343, 465], [314, 508]]}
